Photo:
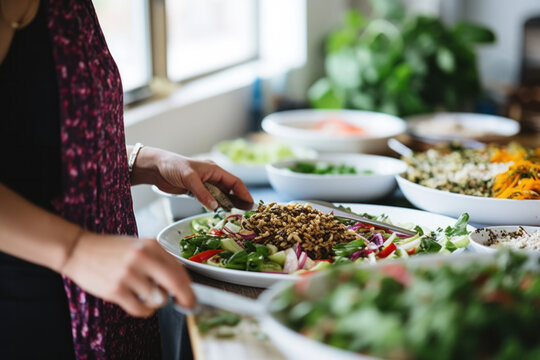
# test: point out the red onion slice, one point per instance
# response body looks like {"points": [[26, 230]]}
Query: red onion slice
{"points": [[302, 260], [298, 250]]}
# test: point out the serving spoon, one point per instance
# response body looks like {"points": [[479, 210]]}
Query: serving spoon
{"points": [[344, 214]]}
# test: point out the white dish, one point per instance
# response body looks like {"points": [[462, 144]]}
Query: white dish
{"points": [[482, 210], [181, 206], [293, 127], [353, 187], [253, 174], [300, 347], [170, 237], [461, 126], [480, 237]]}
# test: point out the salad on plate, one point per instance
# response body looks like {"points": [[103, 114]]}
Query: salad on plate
{"points": [[296, 239]]}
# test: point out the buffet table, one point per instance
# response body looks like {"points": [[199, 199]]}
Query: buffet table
{"points": [[245, 341]]}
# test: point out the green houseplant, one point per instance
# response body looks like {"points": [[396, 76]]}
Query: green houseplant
{"points": [[399, 64]]}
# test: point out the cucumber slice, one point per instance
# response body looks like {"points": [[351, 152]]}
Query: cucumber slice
{"points": [[278, 257], [272, 249], [271, 266], [231, 245]]}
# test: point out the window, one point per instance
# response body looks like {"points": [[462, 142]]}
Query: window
{"points": [[126, 28], [201, 36], [206, 35]]}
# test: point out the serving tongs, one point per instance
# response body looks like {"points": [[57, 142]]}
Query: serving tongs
{"points": [[327, 207]]}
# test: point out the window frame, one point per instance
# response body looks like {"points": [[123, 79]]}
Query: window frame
{"points": [[157, 37]]}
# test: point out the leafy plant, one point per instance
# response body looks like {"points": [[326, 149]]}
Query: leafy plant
{"points": [[399, 64]]}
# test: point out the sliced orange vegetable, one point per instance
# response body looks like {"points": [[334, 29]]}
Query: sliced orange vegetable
{"points": [[205, 255]]}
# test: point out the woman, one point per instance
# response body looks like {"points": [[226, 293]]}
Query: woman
{"points": [[70, 264]]}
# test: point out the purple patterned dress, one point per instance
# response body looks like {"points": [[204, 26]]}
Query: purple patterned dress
{"points": [[95, 180]]}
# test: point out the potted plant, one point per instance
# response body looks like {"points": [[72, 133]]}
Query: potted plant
{"points": [[399, 64]]}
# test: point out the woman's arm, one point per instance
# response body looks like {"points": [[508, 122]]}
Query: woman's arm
{"points": [[177, 174], [120, 269]]}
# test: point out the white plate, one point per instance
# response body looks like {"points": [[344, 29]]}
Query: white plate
{"points": [[350, 187], [480, 237], [293, 127], [482, 210], [461, 126], [170, 237]]}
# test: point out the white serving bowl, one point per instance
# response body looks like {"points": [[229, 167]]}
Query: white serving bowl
{"points": [[482, 210], [293, 127], [350, 187], [181, 206], [479, 238], [438, 127], [254, 174]]}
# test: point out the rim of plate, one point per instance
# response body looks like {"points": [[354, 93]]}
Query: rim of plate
{"points": [[400, 178], [274, 124]]}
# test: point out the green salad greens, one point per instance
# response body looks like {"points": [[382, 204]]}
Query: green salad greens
{"points": [[241, 151], [323, 168], [473, 311]]}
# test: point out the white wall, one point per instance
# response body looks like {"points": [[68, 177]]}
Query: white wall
{"points": [[500, 63]]}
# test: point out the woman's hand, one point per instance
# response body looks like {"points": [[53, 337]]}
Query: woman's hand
{"points": [[136, 274], [177, 174]]}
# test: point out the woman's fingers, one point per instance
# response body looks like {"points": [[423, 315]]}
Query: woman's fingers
{"points": [[193, 183], [227, 182], [239, 189], [130, 302], [147, 291], [169, 274]]}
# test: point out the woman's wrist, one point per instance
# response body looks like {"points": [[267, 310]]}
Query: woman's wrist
{"points": [[145, 168], [69, 249]]}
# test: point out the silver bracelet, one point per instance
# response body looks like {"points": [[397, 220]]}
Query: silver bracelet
{"points": [[133, 156]]}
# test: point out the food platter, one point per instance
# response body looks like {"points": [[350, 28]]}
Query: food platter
{"points": [[252, 172], [482, 210], [170, 236], [296, 127]]}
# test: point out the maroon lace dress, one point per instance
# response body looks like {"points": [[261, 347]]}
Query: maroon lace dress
{"points": [[94, 189]]}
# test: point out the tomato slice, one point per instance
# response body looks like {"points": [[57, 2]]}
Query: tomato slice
{"points": [[205, 255], [412, 251], [216, 232], [387, 251]]}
